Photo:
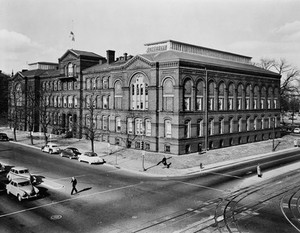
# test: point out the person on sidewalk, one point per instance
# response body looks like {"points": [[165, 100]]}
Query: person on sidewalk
{"points": [[258, 169], [164, 162], [74, 183]]}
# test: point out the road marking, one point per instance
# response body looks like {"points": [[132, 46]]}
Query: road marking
{"points": [[64, 178], [69, 199], [221, 174], [202, 186]]}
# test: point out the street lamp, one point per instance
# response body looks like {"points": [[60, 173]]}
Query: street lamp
{"points": [[273, 142]]}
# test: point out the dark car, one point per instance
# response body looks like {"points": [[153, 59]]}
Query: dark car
{"points": [[70, 152], [3, 137]]}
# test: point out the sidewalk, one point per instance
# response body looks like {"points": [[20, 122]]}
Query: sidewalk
{"points": [[130, 159]]}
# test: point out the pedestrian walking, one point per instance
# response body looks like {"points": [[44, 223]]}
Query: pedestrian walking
{"points": [[164, 162], [74, 183], [258, 169]]}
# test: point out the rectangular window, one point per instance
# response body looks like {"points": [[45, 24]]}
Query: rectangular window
{"points": [[211, 103], [199, 103], [239, 103], [230, 104], [221, 103], [130, 125], [187, 104], [247, 103], [147, 146], [167, 148], [104, 122], [269, 104]]}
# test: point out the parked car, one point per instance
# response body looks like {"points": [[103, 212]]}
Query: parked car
{"points": [[51, 148], [90, 157], [3, 137], [22, 189], [70, 152], [18, 172], [297, 130]]}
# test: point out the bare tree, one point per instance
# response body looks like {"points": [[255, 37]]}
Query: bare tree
{"points": [[16, 115], [89, 126], [43, 107], [289, 75]]}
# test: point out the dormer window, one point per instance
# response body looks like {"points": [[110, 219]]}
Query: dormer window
{"points": [[70, 70]]}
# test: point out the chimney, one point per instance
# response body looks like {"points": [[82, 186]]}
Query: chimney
{"points": [[110, 56], [125, 56]]}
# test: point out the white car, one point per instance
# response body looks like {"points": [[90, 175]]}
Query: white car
{"points": [[297, 130], [22, 189], [90, 157], [18, 172], [51, 148]]}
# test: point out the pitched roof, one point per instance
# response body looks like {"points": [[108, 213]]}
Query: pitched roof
{"points": [[171, 55], [85, 53]]}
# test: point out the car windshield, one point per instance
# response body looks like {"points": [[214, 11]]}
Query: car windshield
{"points": [[25, 183], [23, 171], [91, 154]]}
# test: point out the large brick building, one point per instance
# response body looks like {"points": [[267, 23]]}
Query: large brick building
{"points": [[176, 97]]}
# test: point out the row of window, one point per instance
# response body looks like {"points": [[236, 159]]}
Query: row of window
{"points": [[139, 126]]}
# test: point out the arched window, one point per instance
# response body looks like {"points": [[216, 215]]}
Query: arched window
{"points": [[99, 104], [148, 127], [270, 97], [211, 126], [88, 83], [139, 92], [221, 96], [94, 83], [231, 124], [105, 83], [87, 101], [255, 95], [168, 129], [18, 95], [248, 123], [211, 96], [75, 102], [187, 92], [98, 82], [118, 124], [168, 95], [255, 123], [240, 124], [70, 70], [65, 101], [105, 102], [139, 128], [187, 129], [104, 123], [248, 89], [55, 101], [239, 97], [230, 96], [221, 126], [200, 128], [118, 95], [263, 98], [200, 96], [130, 126], [70, 101], [262, 122]]}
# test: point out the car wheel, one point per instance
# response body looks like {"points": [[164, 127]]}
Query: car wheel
{"points": [[79, 160], [50, 151], [7, 191], [90, 163], [19, 197], [70, 157]]}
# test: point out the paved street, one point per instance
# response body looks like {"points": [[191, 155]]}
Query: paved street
{"points": [[113, 200]]}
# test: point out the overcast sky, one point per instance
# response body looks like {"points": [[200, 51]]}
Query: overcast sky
{"points": [[39, 30]]}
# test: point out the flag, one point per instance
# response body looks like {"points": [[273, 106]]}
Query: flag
{"points": [[72, 36]]}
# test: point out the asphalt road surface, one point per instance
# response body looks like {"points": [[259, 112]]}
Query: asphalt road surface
{"points": [[112, 200]]}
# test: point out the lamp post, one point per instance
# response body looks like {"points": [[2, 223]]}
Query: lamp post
{"points": [[273, 142]]}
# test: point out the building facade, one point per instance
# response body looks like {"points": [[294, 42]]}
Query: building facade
{"points": [[176, 98]]}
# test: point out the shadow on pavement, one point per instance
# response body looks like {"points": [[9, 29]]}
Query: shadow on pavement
{"points": [[85, 189]]}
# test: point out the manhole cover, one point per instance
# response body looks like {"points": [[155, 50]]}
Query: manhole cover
{"points": [[56, 217]]}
